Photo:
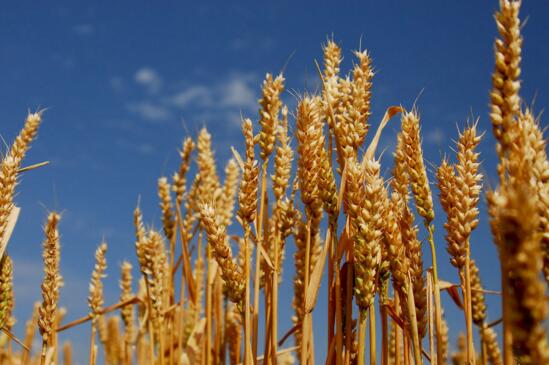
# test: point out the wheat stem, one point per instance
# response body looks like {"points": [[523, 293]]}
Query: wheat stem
{"points": [[373, 353], [362, 318], [436, 292]]}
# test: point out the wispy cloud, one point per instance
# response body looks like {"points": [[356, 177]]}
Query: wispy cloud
{"points": [[150, 111], [224, 99], [83, 29], [237, 93], [234, 92], [148, 78], [194, 95]]}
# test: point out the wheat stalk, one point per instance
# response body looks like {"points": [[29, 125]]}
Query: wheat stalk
{"points": [[51, 283]]}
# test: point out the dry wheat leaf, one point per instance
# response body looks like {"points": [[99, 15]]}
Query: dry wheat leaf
{"points": [[12, 220]]}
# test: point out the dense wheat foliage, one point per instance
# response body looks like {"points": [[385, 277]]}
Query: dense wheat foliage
{"points": [[307, 178]]}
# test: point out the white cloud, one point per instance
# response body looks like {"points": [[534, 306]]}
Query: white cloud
{"points": [[150, 111], [199, 95], [83, 29], [224, 99], [235, 93], [148, 78], [238, 93]]}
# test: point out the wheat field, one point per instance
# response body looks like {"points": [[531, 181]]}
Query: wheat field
{"points": [[307, 178]]}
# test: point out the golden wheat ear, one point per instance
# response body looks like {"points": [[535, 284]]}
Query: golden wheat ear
{"points": [[269, 113], [218, 240], [127, 312], [6, 287], [22, 142], [48, 313], [180, 177]]}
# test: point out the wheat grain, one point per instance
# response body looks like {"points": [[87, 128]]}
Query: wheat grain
{"points": [[364, 198], [492, 347], [230, 187], [504, 97], [208, 187], [8, 181], [52, 280], [477, 298], [416, 167], [179, 178], [283, 158], [247, 196], [127, 313], [217, 239], [268, 114], [166, 206], [310, 144], [95, 298], [6, 290], [22, 142]]}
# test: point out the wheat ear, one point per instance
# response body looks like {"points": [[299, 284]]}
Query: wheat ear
{"points": [[51, 283]]}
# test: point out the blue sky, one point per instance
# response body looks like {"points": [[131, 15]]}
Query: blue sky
{"points": [[124, 82]]}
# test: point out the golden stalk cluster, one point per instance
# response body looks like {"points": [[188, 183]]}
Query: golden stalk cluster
{"points": [[197, 302]]}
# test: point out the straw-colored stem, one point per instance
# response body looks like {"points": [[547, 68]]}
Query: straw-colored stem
{"points": [[373, 354], [259, 243], [182, 299], [224, 343], [149, 321], [471, 358], [161, 347], [56, 347], [507, 334], [92, 346], [396, 300], [348, 299], [331, 285], [436, 290], [349, 311], [413, 323], [127, 353], [304, 324], [185, 257], [247, 319], [483, 350], [339, 314], [173, 240], [268, 322], [44, 352], [363, 316], [219, 317], [207, 342], [274, 300], [430, 313], [311, 353], [102, 311], [384, 327]]}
